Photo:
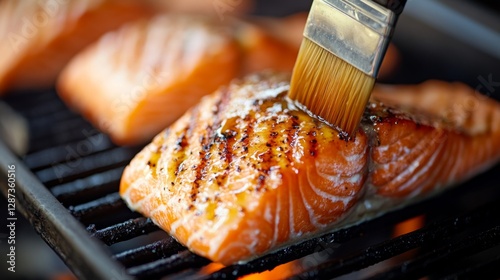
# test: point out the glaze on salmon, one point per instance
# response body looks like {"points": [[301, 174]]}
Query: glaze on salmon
{"points": [[40, 37], [245, 171]]}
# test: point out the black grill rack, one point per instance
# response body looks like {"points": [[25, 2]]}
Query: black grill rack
{"points": [[67, 188]]}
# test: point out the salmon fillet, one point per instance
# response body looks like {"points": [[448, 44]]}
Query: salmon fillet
{"points": [[40, 37], [449, 133], [246, 172], [134, 82]]}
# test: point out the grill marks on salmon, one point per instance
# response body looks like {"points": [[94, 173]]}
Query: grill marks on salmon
{"points": [[246, 168], [246, 172]]}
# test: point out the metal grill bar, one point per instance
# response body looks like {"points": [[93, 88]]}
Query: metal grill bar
{"points": [[58, 154], [151, 252], [29, 106], [58, 120], [170, 265], [88, 188], [57, 227], [58, 136], [84, 166], [290, 253], [434, 260], [103, 206], [124, 231], [432, 234], [42, 111]]}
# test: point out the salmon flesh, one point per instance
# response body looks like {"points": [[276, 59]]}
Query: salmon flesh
{"points": [[246, 172]]}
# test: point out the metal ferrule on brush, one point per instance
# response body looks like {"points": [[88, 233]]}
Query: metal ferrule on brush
{"points": [[357, 31]]}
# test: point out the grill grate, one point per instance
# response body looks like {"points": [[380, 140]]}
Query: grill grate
{"points": [[123, 231], [466, 232], [148, 253]]}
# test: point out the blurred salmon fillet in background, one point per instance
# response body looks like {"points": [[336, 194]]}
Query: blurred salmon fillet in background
{"points": [[40, 37], [246, 172], [222, 9], [134, 82]]}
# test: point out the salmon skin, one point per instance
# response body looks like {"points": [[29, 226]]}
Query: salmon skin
{"points": [[246, 172], [40, 37], [134, 82]]}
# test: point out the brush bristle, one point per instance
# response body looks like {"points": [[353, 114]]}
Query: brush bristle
{"points": [[329, 87]]}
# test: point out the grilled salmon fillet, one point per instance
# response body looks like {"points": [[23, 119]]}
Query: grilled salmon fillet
{"points": [[245, 171], [137, 80], [449, 133], [134, 82], [40, 37]]}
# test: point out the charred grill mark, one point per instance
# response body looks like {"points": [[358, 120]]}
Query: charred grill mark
{"points": [[293, 135], [344, 136], [180, 151], [181, 142], [247, 133], [227, 155], [313, 143], [208, 142], [286, 144], [273, 134], [211, 130], [201, 169], [245, 137], [204, 157]]}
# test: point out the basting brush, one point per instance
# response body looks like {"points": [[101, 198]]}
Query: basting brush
{"points": [[340, 56]]}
